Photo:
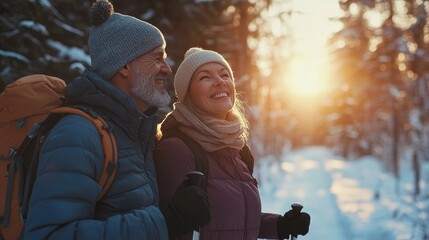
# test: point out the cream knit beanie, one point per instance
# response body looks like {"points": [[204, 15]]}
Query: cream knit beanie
{"points": [[194, 58]]}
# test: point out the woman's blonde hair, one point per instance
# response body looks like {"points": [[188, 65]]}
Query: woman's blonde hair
{"points": [[239, 111]]}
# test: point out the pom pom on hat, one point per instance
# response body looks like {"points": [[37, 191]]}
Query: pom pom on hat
{"points": [[116, 39], [100, 12], [194, 58]]}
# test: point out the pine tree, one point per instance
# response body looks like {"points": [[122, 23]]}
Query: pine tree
{"points": [[37, 38], [351, 109]]}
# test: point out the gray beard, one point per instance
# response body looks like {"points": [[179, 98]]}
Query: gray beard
{"points": [[144, 88]]}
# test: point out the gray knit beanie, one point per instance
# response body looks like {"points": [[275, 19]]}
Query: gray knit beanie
{"points": [[194, 58], [116, 39]]}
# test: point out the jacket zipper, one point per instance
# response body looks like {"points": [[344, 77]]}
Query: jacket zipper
{"points": [[145, 175]]}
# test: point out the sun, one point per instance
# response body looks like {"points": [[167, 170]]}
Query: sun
{"points": [[306, 77]]}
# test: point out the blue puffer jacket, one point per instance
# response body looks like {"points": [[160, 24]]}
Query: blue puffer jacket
{"points": [[64, 203]]}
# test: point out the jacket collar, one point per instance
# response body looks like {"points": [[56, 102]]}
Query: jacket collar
{"points": [[91, 89]]}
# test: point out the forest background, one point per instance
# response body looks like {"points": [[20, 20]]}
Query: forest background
{"points": [[376, 101]]}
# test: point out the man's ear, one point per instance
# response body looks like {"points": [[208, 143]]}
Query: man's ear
{"points": [[122, 78], [125, 71]]}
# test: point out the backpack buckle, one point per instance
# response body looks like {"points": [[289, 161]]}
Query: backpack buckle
{"points": [[20, 122], [21, 214], [34, 130], [12, 153]]}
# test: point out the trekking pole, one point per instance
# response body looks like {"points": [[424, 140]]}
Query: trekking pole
{"points": [[195, 179], [296, 210]]}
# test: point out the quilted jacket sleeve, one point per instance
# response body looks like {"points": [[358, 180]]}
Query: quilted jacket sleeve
{"points": [[65, 192], [268, 229]]}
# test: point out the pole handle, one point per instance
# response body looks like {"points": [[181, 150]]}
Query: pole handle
{"points": [[195, 178], [296, 210]]}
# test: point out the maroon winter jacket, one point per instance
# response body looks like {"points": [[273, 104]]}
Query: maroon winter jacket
{"points": [[232, 191]]}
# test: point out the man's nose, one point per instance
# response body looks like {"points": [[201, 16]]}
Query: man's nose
{"points": [[166, 68]]}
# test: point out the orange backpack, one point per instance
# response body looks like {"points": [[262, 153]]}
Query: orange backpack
{"points": [[29, 108]]}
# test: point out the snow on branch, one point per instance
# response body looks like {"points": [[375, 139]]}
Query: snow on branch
{"points": [[35, 26], [14, 55], [69, 28], [73, 53]]}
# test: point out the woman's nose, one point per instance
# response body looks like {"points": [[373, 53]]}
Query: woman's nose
{"points": [[220, 81]]}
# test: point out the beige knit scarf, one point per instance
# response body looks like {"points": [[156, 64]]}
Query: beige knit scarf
{"points": [[211, 133]]}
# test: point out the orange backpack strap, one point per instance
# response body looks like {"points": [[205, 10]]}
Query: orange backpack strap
{"points": [[108, 142]]}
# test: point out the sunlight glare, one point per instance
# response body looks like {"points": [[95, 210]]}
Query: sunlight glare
{"points": [[306, 78], [334, 164], [288, 167], [309, 164], [306, 74]]}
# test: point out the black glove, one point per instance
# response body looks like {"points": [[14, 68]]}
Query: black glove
{"points": [[187, 210], [290, 224]]}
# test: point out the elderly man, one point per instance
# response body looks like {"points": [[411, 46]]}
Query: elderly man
{"points": [[124, 86]]}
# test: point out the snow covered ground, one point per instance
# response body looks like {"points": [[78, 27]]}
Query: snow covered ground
{"points": [[347, 200]]}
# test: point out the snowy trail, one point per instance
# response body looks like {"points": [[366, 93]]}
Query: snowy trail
{"points": [[302, 177], [347, 200]]}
